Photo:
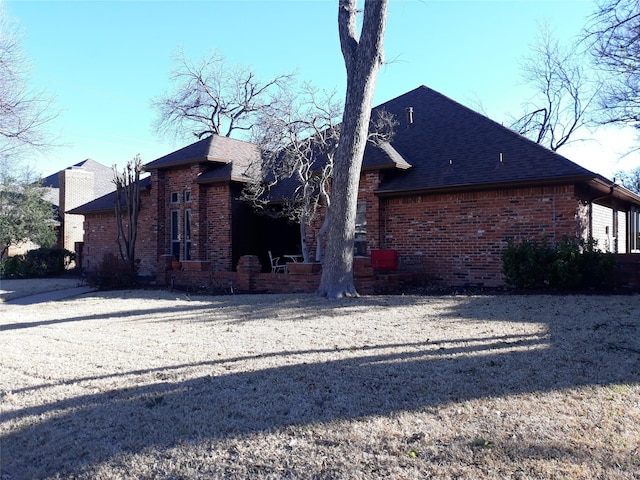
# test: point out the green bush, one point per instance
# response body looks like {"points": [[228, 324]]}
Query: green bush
{"points": [[569, 265], [41, 262], [112, 273]]}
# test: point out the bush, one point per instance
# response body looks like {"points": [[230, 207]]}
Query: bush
{"points": [[41, 262], [570, 265], [112, 273]]}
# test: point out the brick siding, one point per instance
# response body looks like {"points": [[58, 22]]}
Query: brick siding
{"points": [[455, 238], [76, 188], [100, 237], [459, 238]]}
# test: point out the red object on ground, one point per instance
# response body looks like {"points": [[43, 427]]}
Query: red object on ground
{"points": [[384, 259]]}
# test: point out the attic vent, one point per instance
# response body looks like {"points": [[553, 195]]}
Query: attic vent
{"points": [[409, 111]]}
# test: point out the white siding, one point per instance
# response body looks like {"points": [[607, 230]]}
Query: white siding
{"points": [[602, 224], [622, 232]]}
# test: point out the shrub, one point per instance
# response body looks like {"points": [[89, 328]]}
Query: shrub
{"points": [[525, 265], [569, 265], [112, 273], [41, 262]]}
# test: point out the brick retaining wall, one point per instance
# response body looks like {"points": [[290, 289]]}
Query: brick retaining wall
{"points": [[627, 275], [248, 278]]}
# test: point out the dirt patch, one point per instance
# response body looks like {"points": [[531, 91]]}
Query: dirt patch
{"points": [[153, 384]]}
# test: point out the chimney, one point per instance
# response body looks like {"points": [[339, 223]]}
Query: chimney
{"points": [[409, 111]]}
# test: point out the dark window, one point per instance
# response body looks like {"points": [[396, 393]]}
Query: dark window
{"points": [[175, 234], [187, 196], [175, 197], [360, 240], [187, 234]]}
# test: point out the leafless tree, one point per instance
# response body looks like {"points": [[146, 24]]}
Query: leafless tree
{"points": [[298, 137], [210, 96], [629, 179], [363, 56], [128, 197], [563, 93], [24, 112], [614, 34]]}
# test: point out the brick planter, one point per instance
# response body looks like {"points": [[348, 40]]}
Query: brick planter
{"points": [[298, 268], [196, 265]]}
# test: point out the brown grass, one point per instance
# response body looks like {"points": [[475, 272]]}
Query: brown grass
{"points": [[158, 385]]}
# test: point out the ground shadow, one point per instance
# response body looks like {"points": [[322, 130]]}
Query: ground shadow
{"points": [[368, 382]]}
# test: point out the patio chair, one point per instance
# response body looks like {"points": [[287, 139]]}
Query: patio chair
{"points": [[276, 267]]}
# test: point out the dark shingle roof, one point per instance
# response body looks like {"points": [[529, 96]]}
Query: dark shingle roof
{"points": [[451, 146], [106, 202], [211, 149]]}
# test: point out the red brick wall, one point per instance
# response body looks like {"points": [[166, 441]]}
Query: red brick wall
{"points": [[218, 226], [100, 233], [368, 183], [163, 184], [459, 238], [455, 238]]}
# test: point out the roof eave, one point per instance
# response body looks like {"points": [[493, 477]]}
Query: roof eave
{"points": [[605, 185], [379, 168], [213, 181], [186, 162], [483, 186], [77, 211]]}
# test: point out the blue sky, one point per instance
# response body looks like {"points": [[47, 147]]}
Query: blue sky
{"points": [[104, 61]]}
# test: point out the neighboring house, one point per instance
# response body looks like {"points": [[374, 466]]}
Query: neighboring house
{"points": [[67, 189], [446, 194], [72, 187]]}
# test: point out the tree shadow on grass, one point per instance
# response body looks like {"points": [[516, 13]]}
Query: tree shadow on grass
{"points": [[65, 436], [232, 309]]}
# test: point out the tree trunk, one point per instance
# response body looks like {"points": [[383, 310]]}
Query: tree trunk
{"points": [[363, 58], [304, 247], [128, 186]]}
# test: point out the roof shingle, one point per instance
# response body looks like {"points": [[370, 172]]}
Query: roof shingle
{"points": [[210, 149], [451, 146]]}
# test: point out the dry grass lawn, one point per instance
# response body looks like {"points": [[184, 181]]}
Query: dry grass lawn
{"points": [[152, 384]]}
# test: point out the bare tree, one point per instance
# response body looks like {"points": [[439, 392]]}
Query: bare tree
{"points": [[629, 179], [363, 56], [614, 33], [128, 196], [298, 138], [24, 112], [212, 97], [298, 142], [562, 97]]}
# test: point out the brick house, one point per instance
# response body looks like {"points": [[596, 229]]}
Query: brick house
{"points": [[72, 187], [447, 194], [67, 189]]}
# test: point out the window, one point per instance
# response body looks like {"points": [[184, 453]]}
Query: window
{"points": [[175, 234], [634, 230], [360, 240], [175, 197], [187, 196], [187, 234]]}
